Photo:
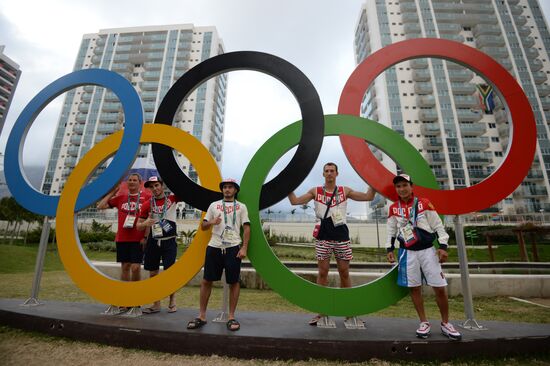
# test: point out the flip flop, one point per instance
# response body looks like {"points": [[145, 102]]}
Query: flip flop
{"points": [[315, 320], [172, 308], [150, 311], [230, 323], [196, 323]]}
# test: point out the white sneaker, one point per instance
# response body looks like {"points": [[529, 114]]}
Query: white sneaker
{"points": [[423, 330], [448, 330]]}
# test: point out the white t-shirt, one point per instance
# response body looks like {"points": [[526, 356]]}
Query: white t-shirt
{"points": [[227, 233]]}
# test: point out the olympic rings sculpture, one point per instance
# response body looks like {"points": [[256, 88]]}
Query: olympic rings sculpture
{"points": [[352, 129]]}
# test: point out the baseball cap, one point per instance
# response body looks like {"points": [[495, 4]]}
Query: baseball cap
{"points": [[402, 178], [152, 180], [232, 181]]}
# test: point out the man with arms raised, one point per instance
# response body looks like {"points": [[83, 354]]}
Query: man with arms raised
{"points": [[331, 232]]}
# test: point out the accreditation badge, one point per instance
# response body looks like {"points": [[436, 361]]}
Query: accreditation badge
{"points": [[129, 222], [156, 230], [337, 218], [166, 227], [408, 235], [230, 236]]}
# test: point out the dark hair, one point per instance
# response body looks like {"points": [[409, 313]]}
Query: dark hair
{"points": [[331, 164], [136, 174]]}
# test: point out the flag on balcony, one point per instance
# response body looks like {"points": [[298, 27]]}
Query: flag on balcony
{"points": [[485, 94]]}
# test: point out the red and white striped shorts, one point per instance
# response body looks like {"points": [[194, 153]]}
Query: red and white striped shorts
{"points": [[325, 248]]}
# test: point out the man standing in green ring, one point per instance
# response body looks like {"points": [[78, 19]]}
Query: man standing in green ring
{"points": [[226, 217], [414, 222], [331, 232]]}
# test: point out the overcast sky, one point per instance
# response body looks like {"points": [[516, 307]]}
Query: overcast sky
{"points": [[316, 36]]}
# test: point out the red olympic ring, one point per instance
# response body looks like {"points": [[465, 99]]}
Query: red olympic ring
{"points": [[491, 190]]}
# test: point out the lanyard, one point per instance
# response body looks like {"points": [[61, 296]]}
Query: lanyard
{"points": [[335, 194], [153, 199], [234, 213], [136, 209], [413, 212]]}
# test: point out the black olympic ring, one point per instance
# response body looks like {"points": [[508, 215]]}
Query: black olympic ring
{"points": [[301, 163]]}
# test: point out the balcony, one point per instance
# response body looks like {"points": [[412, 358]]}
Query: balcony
{"points": [[543, 90], [430, 128], [73, 150], [449, 28], [436, 158], [407, 7], [506, 63], [75, 139], [473, 129], [111, 107], [545, 102], [182, 65], [473, 143], [535, 65], [524, 31], [425, 101], [477, 173], [460, 75], [423, 88], [86, 97], [151, 75], [83, 107], [479, 8], [453, 37], [149, 106], [106, 128], [421, 75], [149, 95], [427, 115], [532, 53], [70, 162], [410, 18], [503, 130], [489, 41], [109, 118], [149, 85], [96, 60], [495, 52], [432, 143], [419, 63], [466, 101], [110, 97], [520, 20], [516, 9], [463, 88], [78, 129], [81, 117], [480, 30], [535, 174], [531, 191], [539, 77], [478, 157], [501, 116], [468, 115], [447, 7], [100, 41], [152, 65]]}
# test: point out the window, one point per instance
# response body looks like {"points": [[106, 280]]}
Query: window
{"points": [[498, 153], [495, 139], [492, 125]]}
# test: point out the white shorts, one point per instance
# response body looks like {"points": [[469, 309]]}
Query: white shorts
{"points": [[418, 267]]}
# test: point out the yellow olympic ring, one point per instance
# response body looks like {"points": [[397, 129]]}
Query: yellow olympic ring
{"points": [[82, 272]]}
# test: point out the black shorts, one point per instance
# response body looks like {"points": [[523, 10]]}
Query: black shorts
{"points": [[129, 252], [216, 261], [167, 251]]}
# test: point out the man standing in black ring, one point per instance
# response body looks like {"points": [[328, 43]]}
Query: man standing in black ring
{"points": [[331, 232], [226, 217]]}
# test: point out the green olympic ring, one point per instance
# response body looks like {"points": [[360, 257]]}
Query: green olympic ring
{"points": [[353, 301]]}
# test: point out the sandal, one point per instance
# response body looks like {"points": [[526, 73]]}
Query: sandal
{"points": [[233, 325], [315, 320], [150, 311], [196, 323], [172, 308]]}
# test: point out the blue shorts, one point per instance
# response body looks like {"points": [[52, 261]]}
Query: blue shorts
{"points": [[129, 252], [217, 260], [154, 253]]}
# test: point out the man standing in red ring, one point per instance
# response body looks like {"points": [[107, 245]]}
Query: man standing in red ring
{"points": [[414, 222], [331, 232], [226, 217], [129, 240], [159, 216]]}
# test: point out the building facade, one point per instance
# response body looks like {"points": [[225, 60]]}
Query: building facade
{"points": [[152, 58], [9, 76], [449, 113]]}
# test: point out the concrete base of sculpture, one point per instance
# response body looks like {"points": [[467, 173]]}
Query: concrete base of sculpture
{"points": [[273, 335]]}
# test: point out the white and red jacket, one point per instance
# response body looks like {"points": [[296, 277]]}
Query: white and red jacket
{"points": [[426, 219]]}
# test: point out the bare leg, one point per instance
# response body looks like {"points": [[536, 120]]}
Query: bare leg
{"points": [[442, 303], [206, 290], [135, 268], [343, 270], [322, 274], [234, 291], [125, 271], [156, 304], [418, 301]]}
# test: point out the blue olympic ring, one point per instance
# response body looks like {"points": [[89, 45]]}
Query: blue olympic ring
{"points": [[43, 204]]}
